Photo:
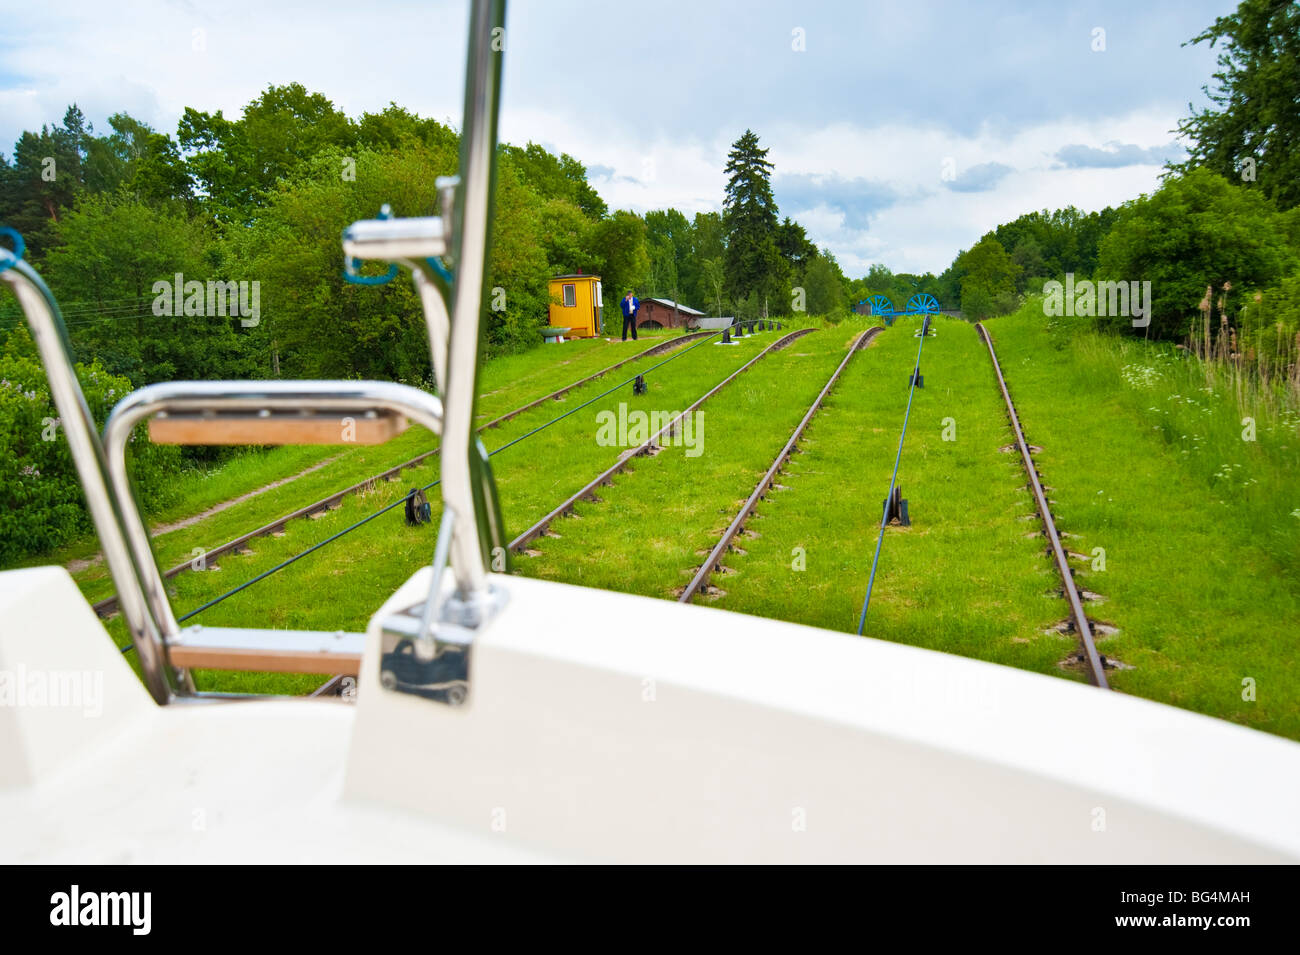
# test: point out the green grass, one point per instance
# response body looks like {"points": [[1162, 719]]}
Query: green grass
{"points": [[549, 368], [964, 578], [1199, 527], [653, 526], [536, 475], [200, 489]]}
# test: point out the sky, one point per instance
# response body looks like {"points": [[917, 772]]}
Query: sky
{"points": [[900, 131]]}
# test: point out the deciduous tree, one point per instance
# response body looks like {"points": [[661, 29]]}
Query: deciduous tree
{"points": [[1251, 133]]}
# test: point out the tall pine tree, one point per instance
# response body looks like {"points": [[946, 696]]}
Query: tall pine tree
{"points": [[749, 217]]}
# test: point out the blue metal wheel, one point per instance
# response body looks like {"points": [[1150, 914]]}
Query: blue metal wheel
{"points": [[880, 305], [922, 303]]}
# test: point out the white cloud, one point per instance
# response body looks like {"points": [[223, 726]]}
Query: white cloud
{"points": [[657, 94], [925, 227]]}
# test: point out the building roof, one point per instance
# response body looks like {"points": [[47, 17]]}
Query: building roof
{"points": [[577, 275], [677, 305]]}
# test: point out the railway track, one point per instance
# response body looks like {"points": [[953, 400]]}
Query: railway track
{"points": [[588, 491], [700, 581], [108, 605], [1093, 660]]}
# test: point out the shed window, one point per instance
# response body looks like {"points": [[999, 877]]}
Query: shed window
{"points": [[570, 296]]}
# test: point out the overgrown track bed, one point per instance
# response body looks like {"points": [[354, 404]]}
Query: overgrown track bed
{"points": [[1185, 527], [659, 349], [713, 562], [108, 605], [587, 492], [1079, 617], [969, 576], [650, 528]]}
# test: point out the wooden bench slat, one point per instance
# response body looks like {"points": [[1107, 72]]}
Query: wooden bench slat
{"points": [[275, 651], [271, 661], [276, 429]]}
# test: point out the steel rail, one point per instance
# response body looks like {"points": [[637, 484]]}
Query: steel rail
{"points": [[712, 562], [331, 687], [109, 604], [648, 353], [606, 476], [1096, 668]]}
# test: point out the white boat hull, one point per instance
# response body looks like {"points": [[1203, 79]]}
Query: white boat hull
{"points": [[607, 727]]}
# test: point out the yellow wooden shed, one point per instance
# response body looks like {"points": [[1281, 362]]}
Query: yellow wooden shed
{"points": [[575, 305]]}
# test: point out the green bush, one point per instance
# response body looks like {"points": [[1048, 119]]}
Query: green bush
{"points": [[1195, 231], [1270, 330], [837, 314], [41, 501]]}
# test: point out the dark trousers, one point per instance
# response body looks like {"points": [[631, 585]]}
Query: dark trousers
{"points": [[629, 321]]}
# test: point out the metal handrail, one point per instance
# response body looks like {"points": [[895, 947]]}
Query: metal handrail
{"points": [[152, 631], [311, 395], [466, 480], [473, 525], [108, 506], [472, 532]]}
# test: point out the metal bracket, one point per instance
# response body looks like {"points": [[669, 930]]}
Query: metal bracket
{"points": [[896, 509], [916, 378], [441, 675], [425, 649]]}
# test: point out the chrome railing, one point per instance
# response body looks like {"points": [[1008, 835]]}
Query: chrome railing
{"points": [[471, 538], [215, 402], [109, 509]]}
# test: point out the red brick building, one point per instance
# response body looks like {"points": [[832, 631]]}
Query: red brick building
{"points": [[664, 313]]}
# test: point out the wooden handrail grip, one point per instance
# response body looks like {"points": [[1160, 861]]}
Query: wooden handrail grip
{"points": [[271, 661], [276, 429]]}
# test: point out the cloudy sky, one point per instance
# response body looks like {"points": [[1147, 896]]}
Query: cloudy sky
{"points": [[901, 131]]}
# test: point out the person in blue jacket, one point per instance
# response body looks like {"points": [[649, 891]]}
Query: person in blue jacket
{"points": [[631, 305]]}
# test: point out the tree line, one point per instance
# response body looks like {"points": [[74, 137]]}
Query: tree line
{"points": [[111, 218], [263, 198]]}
